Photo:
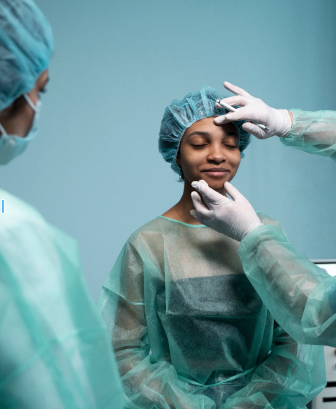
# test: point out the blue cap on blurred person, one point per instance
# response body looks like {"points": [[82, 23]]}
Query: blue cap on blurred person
{"points": [[180, 115], [26, 45]]}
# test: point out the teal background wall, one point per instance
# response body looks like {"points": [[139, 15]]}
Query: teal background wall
{"points": [[95, 170]]}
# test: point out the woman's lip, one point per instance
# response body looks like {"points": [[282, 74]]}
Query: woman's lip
{"points": [[216, 173], [215, 170]]}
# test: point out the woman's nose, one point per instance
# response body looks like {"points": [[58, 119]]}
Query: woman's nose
{"points": [[217, 155]]}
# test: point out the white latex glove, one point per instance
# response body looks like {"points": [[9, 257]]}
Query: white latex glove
{"points": [[234, 218], [253, 109]]}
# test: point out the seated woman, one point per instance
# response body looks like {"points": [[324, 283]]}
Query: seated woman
{"points": [[188, 329]]}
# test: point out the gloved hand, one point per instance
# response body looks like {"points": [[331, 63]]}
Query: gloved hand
{"points": [[253, 109], [234, 218]]}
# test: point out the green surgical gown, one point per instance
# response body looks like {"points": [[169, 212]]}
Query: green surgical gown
{"points": [[54, 350], [190, 332], [300, 295], [313, 132]]}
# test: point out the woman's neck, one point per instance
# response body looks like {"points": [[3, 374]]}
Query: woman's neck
{"points": [[181, 211]]}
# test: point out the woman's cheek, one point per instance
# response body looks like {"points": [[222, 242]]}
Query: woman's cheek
{"points": [[235, 162], [194, 158], [236, 158]]}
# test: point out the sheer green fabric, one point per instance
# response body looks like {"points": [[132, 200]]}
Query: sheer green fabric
{"points": [[54, 351], [313, 132], [190, 332], [300, 295]]}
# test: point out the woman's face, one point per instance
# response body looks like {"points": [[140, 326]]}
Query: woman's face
{"points": [[17, 119], [209, 152]]}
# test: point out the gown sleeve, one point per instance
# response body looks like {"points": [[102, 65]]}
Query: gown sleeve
{"points": [[313, 132], [300, 296], [290, 377], [54, 351], [147, 383]]}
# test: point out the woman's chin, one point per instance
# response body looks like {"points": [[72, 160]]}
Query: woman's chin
{"points": [[217, 185]]}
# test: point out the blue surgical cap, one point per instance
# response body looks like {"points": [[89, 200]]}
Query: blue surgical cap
{"points": [[180, 115], [26, 45]]}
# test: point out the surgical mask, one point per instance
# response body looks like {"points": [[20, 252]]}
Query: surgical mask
{"points": [[13, 145]]}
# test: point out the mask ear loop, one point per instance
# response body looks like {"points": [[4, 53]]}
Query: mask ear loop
{"points": [[35, 107], [30, 102], [2, 130]]}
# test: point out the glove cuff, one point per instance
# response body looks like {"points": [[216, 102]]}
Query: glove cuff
{"points": [[286, 123]]}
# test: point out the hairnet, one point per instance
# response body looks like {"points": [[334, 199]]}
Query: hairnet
{"points": [[26, 44], [180, 115]]}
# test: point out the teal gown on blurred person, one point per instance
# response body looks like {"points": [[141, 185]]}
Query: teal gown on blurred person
{"points": [[190, 332], [54, 351], [300, 296]]}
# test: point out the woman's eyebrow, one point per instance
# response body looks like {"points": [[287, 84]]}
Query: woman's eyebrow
{"points": [[201, 133], [232, 133]]}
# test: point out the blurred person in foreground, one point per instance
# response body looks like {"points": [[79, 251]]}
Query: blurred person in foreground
{"points": [[54, 351]]}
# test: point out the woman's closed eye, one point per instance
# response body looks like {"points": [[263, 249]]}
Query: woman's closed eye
{"points": [[199, 145], [231, 146], [231, 142]]}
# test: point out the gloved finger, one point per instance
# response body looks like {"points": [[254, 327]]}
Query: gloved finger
{"points": [[255, 130], [201, 210], [235, 90], [242, 114], [210, 196], [196, 215], [233, 192], [222, 120], [219, 106], [236, 101], [199, 184]]}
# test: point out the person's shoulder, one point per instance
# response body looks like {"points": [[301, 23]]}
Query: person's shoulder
{"points": [[20, 220], [153, 226], [156, 228], [148, 242], [15, 211], [32, 247]]}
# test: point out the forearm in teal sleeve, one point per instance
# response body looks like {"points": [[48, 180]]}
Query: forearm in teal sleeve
{"points": [[313, 132], [300, 296], [290, 377]]}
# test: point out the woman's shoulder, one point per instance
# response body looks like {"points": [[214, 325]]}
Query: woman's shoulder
{"points": [[155, 226]]}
